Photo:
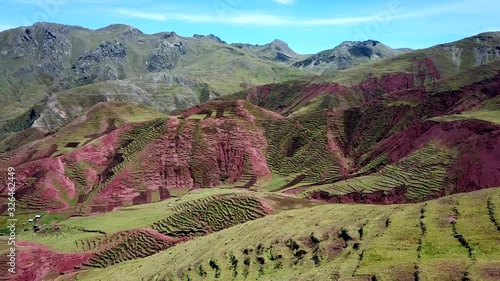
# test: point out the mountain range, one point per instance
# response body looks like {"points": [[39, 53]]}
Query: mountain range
{"points": [[42, 62], [164, 157]]}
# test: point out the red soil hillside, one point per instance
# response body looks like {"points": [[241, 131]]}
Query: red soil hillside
{"points": [[35, 261], [391, 130], [144, 162], [187, 220], [288, 97], [402, 156], [477, 143], [237, 143]]}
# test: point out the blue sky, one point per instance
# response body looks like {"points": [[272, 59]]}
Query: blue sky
{"points": [[308, 26]]}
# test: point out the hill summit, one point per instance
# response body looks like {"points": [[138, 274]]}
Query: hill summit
{"points": [[349, 54]]}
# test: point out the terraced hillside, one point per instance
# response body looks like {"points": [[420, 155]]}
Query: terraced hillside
{"points": [[101, 161], [413, 178], [428, 241], [209, 215], [377, 147], [444, 67], [237, 188], [315, 149], [129, 234], [124, 246], [298, 146]]}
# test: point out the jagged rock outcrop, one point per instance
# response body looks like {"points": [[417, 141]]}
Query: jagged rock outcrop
{"points": [[216, 38], [486, 54], [165, 56], [455, 53], [349, 54], [54, 52], [100, 64], [40, 60], [276, 50], [46, 45], [108, 50], [211, 36]]}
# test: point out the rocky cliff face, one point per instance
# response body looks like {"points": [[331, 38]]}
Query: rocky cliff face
{"points": [[349, 54], [276, 50], [101, 63], [165, 56], [146, 162], [54, 52], [41, 54], [40, 60], [473, 51]]}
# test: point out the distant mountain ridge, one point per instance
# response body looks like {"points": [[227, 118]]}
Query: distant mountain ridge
{"points": [[52, 73], [349, 54], [163, 70], [39, 60], [150, 119], [277, 50]]}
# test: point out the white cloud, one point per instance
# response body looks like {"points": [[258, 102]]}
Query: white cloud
{"points": [[244, 19], [492, 29], [338, 21], [142, 15], [277, 20], [62, 2], [261, 19], [285, 2], [258, 19], [5, 27]]}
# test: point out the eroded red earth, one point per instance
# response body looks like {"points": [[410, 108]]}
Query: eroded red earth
{"points": [[35, 261], [226, 144]]}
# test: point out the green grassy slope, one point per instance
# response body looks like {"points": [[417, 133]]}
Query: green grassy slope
{"points": [[450, 59], [149, 215], [168, 70], [347, 55], [486, 111], [447, 239], [446, 67], [421, 174]]}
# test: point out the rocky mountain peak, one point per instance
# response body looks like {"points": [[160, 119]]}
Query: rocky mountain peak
{"points": [[216, 38], [278, 42], [281, 46], [210, 36], [489, 34], [347, 44], [117, 27], [282, 50], [62, 28], [348, 54]]}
